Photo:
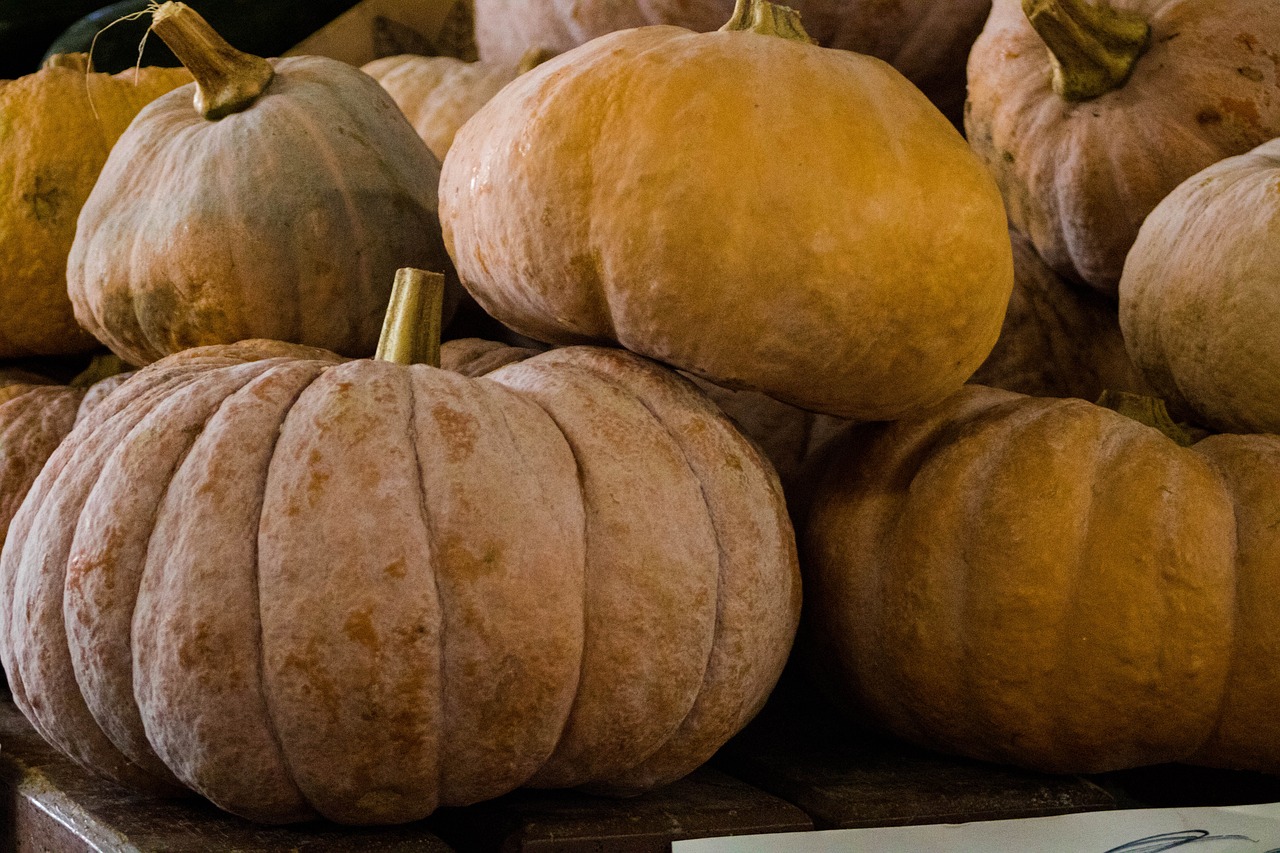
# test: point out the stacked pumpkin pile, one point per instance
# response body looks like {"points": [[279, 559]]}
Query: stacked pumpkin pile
{"points": [[302, 581]]}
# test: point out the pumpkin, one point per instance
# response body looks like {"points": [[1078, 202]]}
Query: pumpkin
{"points": [[842, 252], [1200, 294], [36, 415], [300, 585], [787, 436], [1088, 115], [56, 128], [927, 40], [1050, 583], [279, 206], [439, 93], [1057, 340]]}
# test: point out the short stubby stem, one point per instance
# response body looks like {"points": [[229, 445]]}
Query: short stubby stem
{"points": [[1093, 48], [411, 330], [761, 16], [1152, 412], [227, 80]]}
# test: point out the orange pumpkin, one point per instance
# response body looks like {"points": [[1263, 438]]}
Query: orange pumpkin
{"points": [[300, 585], [1088, 114], [56, 128], [842, 251], [1052, 584]]}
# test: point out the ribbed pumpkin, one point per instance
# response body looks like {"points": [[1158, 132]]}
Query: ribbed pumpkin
{"points": [[787, 436], [439, 93], [278, 206], [1089, 114], [1052, 584], [1058, 340], [1200, 294], [927, 40], [361, 589], [35, 416], [743, 205], [56, 128]]}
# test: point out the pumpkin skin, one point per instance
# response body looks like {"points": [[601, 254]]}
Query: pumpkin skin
{"points": [[1096, 597], [285, 220], [35, 416], [1079, 177], [927, 40], [861, 270], [439, 93], [1057, 340], [56, 128], [1200, 295], [372, 588]]}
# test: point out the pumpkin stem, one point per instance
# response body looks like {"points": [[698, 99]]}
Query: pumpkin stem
{"points": [[533, 57], [101, 366], [1093, 49], [761, 16], [1152, 412], [70, 61], [227, 80], [411, 329]]}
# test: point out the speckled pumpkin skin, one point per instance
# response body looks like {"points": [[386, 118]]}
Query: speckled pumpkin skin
{"points": [[439, 93], [56, 129], [286, 221], [304, 586], [1050, 584], [35, 416], [1200, 294], [842, 252], [927, 40], [1058, 339], [1079, 178]]}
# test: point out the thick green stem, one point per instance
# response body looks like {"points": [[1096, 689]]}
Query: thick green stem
{"points": [[227, 80], [761, 16], [533, 57], [1093, 49], [102, 366], [1152, 412], [411, 329]]}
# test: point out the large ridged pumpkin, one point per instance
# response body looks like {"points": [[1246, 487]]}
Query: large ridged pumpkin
{"points": [[1200, 294], [1052, 584], [743, 205], [278, 205], [1088, 113], [56, 129], [300, 585]]}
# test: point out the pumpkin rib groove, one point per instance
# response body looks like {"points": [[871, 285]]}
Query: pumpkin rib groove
{"points": [[679, 443], [253, 584], [139, 750], [442, 611], [77, 715]]}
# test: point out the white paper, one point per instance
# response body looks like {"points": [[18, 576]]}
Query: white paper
{"points": [[1237, 829]]}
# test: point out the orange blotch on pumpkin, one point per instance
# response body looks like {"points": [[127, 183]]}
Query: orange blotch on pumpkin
{"points": [[359, 628]]}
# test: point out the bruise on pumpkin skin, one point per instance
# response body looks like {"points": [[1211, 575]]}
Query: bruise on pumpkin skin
{"points": [[459, 430]]}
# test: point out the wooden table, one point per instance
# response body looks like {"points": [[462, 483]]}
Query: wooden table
{"points": [[795, 768]]}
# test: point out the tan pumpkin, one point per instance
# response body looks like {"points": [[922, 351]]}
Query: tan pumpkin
{"points": [[439, 93], [840, 251], [787, 436], [300, 585], [1200, 294], [927, 40], [1052, 584], [1058, 340], [56, 128], [36, 415], [1092, 114], [279, 206]]}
